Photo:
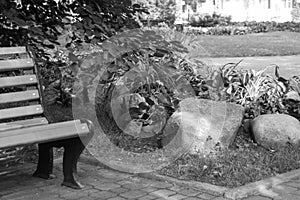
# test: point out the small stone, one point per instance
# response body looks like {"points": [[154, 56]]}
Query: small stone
{"points": [[273, 129]]}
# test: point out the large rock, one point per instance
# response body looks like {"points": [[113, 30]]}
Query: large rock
{"points": [[200, 125], [273, 129]]}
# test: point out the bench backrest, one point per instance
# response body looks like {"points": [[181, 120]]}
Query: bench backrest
{"points": [[20, 90]]}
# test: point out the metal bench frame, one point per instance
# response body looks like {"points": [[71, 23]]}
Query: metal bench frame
{"points": [[24, 125]]}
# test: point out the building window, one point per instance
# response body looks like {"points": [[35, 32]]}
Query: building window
{"points": [[289, 3], [284, 3], [183, 8]]}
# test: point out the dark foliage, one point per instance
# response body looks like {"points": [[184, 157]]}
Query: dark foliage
{"points": [[210, 21], [62, 26], [38, 23]]}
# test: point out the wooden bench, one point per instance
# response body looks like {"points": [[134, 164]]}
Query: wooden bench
{"points": [[22, 120]]}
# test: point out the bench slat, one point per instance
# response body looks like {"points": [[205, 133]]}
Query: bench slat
{"points": [[18, 81], [12, 50], [28, 129], [45, 133], [21, 111], [23, 123], [19, 96], [6, 65]]}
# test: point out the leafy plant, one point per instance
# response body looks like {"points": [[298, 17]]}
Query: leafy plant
{"points": [[292, 98], [140, 63], [258, 92]]}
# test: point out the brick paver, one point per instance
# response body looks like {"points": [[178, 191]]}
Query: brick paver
{"points": [[257, 197], [163, 193], [111, 185], [99, 184], [177, 197], [206, 196]]}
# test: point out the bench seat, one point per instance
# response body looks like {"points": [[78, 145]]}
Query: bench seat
{"points": [[42, 133], [22, 119]]}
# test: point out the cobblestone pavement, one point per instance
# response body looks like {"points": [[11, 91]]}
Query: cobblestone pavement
{"points": [[111, 185], [99, 184]]}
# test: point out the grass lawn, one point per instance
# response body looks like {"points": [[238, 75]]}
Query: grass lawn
{"points": [[260, 44]]}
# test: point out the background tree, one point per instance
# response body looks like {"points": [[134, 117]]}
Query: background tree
{"points": [[38, 23], [159, 10], [296, 12]]}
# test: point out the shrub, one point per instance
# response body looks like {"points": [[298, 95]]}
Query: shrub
{"points": [[218, 30], [240, 28], [151, 66], [210, 20]]}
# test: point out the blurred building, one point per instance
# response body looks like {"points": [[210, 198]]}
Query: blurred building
{"points": [[239, 10]]}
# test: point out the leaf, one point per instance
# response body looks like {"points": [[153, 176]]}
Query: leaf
{"points": [[97, 20], [295, 85], [72, 57], [162, 99], [50, 46], [66, 20], [293, 95], [74, 67], [20, 22]]}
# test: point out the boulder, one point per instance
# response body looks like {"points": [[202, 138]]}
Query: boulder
{"points": [[271, 129], [201, 125]]}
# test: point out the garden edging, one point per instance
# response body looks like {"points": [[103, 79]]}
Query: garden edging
{"points": [[255, 188], [262, 186]]}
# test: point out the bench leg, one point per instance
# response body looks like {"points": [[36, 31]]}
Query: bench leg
{"points": [[73, 149], [45, 162]]}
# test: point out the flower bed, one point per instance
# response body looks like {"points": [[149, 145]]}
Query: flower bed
{"points": [[155, 77], [245, 162]]}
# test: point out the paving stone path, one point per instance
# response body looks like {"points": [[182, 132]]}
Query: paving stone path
{"points": [[106, 184], [99, 184]]}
